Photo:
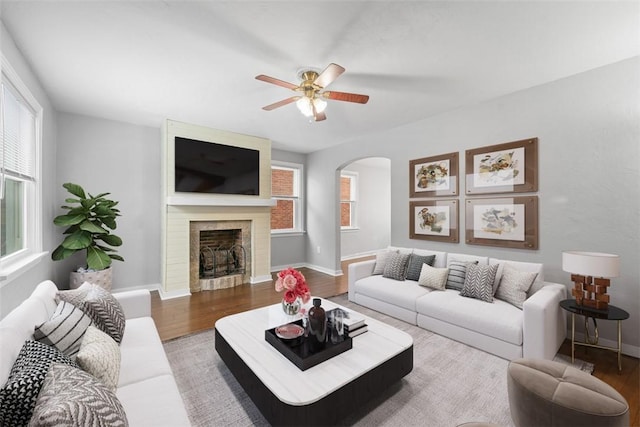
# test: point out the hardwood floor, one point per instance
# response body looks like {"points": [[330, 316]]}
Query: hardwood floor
{"points": [[182, 316]]}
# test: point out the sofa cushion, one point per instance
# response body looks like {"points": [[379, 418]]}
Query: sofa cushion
{"points": [[457, 274], [71, 397], [19, 394], [481, 260], [396, 267], [434, 278], [154, 402], [478, 282], [415, 265], [142, 354], [382, 257], [514, 286], [99, 355], [498, 319], [403, 294], [64, 330], [104, 310]]}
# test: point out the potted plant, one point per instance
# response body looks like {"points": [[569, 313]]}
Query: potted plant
{"points": [[89, 221]]}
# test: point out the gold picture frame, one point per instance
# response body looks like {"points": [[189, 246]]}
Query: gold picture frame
{"points": [[435, 220], [511, 167], [508, 222], [434, 176]]}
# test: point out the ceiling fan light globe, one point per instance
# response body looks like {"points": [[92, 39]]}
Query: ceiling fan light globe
{"points": [[321, 104], [304, 105]]}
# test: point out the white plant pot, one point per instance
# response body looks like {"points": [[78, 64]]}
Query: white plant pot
{"points": [[101, 278]]}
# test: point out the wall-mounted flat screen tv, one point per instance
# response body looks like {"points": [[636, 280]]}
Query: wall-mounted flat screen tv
{"points": [[207, 167]]}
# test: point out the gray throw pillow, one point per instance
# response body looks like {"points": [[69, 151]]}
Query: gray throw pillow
{"points": [[396, 267], [415, 265], [478, 282], [514, 286], [381, 261], [72, 397], [457, 273]]}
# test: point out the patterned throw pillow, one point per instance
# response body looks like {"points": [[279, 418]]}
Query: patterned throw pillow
{"points": [[415, 265], [104, 310], [65, 329], [396, 266], [434, 278], [99, 355], [457, 273], [514, 286], [478, 282], [72, 397], [18, 396], [382, 258]]}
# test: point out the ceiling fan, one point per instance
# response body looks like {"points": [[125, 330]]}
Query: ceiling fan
{"points": [[311, 102]]}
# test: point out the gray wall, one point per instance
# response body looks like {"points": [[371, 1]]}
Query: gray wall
{"points": [[289, 249], [15, 291], [124, 160], [373, 209], [589, 184]]}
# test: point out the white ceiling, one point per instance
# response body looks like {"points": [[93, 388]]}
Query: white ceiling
{"points": [[142, 62]]}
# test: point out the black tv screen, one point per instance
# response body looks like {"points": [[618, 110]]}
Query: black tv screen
{"points": [[207, 167]]}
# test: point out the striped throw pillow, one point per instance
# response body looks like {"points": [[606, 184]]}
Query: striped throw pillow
{"points": [[64, 330], [457, 273]]}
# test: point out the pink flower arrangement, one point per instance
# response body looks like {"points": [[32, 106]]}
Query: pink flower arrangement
{"points": [[294, 285]]}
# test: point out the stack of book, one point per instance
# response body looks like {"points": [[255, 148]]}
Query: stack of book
{"points": [[353, 324]]}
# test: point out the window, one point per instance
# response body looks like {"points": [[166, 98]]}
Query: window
{"points": [[348, 191], [20, 217], [286, 189]]}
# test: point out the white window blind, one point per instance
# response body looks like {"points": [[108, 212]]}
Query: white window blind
{"points": [[17, 152]]}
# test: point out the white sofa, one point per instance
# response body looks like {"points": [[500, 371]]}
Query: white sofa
{"points": [[146, 386], [536, 331]]}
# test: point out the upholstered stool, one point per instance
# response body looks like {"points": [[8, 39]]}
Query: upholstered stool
{"points": [[546, 393]]}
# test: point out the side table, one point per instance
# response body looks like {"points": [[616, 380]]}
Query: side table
{"points": [[611, 313]]}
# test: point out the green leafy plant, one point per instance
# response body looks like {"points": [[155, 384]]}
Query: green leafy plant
{"points": [[89, 220]]}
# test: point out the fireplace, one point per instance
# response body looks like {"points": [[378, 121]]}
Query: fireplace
{"points": [[220, 254]]}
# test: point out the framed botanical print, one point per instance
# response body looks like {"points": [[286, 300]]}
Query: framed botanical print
{"points": [[509, 222], [511, 167], [434, 176], [434, 220]]}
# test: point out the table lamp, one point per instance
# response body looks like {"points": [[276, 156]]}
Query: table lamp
{"points": [[590, 273]]}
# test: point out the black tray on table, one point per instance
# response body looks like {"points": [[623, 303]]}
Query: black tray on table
{"points": [[298, 350]]}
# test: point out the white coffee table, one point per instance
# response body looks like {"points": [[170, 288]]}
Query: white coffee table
{"points": [[323, 394]]}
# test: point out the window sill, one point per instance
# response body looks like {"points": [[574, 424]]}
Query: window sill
{"points": [[15, 269], [292, 233], [349, 229]]}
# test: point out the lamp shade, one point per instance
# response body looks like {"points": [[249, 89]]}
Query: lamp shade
{"points": [[594, 264]]}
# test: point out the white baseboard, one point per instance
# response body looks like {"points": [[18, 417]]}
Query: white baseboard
{"points": [[627, 349], [310, 266], [174, 294], [151, 287], [358, 255], [260, 279]]}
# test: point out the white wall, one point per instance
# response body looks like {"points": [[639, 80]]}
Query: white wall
{"points": [[124, 160], [373, 209], [289, 249], [589, 184], [12, 293]]}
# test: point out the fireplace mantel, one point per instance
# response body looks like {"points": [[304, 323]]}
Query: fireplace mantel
{"points": [[217, 201]]}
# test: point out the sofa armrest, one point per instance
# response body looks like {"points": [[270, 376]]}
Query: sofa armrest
{"points": [[544, 322], [135, 303], [357, 271]]}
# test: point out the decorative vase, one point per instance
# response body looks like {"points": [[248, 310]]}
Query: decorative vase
{"points": [[291, 308], [317, 326]]}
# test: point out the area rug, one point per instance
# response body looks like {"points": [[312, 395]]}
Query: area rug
{"points": [[451, 384]]}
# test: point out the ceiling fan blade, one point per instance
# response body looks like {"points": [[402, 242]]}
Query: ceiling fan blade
{"points": [[320, 116], [277, 82], [328, 75], [346, 96], [281, 103]]}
